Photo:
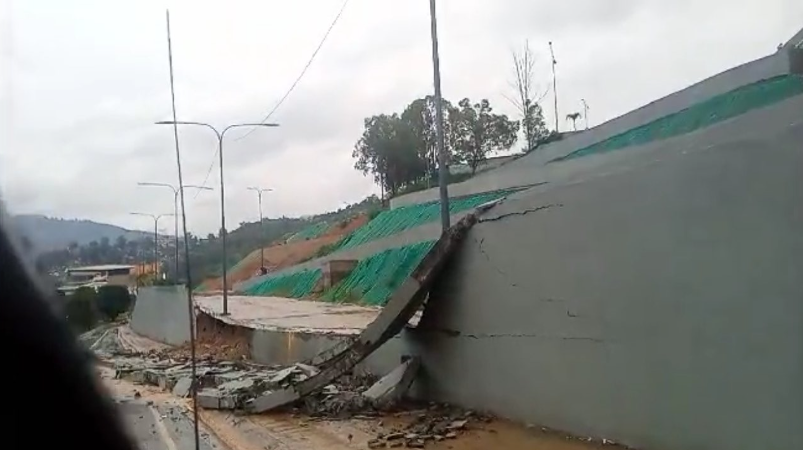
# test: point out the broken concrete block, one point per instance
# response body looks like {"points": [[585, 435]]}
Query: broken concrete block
{"points": [[394, 385], [237, 385], [214, 399], [283, 374], [270, 400], [309, 370], [182, 387]]}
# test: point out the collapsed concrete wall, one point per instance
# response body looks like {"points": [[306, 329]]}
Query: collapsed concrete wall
{"points": [[658, 305], [161, 314], [284, 347], [525, 170]]}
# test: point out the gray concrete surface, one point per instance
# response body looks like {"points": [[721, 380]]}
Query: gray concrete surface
{"points": [[524, 170], [796, 41], [281, 347], [161, 313], [656, 302], [161, 427]]}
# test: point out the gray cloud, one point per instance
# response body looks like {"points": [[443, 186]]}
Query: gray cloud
{"points": [[82, 83]]}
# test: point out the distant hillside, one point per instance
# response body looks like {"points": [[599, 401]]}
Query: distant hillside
{"points": [[48, 233]]}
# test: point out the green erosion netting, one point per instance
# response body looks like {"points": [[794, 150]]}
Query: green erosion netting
{"points": [[701, 115], [403, 218], [376, 277], [311, 232], [294, 285]]}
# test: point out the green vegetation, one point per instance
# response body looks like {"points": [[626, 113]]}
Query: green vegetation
{"points": [[376, 277], [85, 308], [701, 115], [113, 301], [80, 310], [204, 253], [399, 150], [372, 282], [311, 232], [294, 285], [406, 217]]}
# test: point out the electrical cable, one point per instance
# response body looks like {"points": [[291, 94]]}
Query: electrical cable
{"points": [[289, 91]]}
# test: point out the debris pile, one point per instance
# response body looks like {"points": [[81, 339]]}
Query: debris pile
{"points": [[231, 385], [438, 423]]}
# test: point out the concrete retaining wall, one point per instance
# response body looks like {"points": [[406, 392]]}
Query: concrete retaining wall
{"points": [[161, 314], [525, 170], [659, 305], [279, 347]]}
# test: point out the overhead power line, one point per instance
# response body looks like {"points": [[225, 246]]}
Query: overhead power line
{"points": [[290, 90]]}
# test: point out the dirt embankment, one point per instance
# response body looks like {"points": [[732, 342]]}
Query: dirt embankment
{"points": [[285, 255]]}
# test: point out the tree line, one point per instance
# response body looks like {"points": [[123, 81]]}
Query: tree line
{"points": [[399, 150]]}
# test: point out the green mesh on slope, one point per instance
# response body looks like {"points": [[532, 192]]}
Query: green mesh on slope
{"points": [[294, 285], [701, 115], [376, 277], [404, 218], [311, 232]]}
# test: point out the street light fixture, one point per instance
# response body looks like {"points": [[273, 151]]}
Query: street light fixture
{"points": [[155, 218], [443, 169], [220, 135], [175, 208], [262, 269]]}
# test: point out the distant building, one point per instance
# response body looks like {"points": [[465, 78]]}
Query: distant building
{"points": [[97, 276]]}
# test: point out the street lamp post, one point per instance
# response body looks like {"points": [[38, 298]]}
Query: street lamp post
{"points": [[155, 218], [554, 84], [443, 169], [262, 269], [585, 111], [220, 135], [175, 209]]}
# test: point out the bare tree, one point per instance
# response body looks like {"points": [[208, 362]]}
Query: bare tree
{"points": [[525, 101]]}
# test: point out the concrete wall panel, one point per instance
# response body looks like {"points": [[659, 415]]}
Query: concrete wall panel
{"points": [[658, 306], [161, 314], [281, 347]]}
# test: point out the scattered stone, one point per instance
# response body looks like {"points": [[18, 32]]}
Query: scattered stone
{"points": [[376, 443], [457, 425]]}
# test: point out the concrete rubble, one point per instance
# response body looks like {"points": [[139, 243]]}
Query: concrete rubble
{"points": [[392, 387], [232, 385]]}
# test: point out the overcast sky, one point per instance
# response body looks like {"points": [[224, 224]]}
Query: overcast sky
{"points": [[81, 83]]}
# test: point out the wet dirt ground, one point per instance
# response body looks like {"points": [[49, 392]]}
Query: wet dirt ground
{"points": [[160, 421]]}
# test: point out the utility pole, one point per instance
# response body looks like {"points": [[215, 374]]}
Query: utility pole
{"points": [[443, 168], [554, 85], [220, 135], [585, 111], [262, 269], [155, 218], [176, 191]]}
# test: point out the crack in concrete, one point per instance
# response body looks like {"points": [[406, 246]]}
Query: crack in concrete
{"points": [[455, 333], [520, 213]]}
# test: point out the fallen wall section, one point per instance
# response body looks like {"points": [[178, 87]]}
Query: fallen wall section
{"points": [[161, 314]]}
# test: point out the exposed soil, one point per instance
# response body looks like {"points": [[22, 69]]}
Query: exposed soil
{"points": [[215, 340], [284, 255]]}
